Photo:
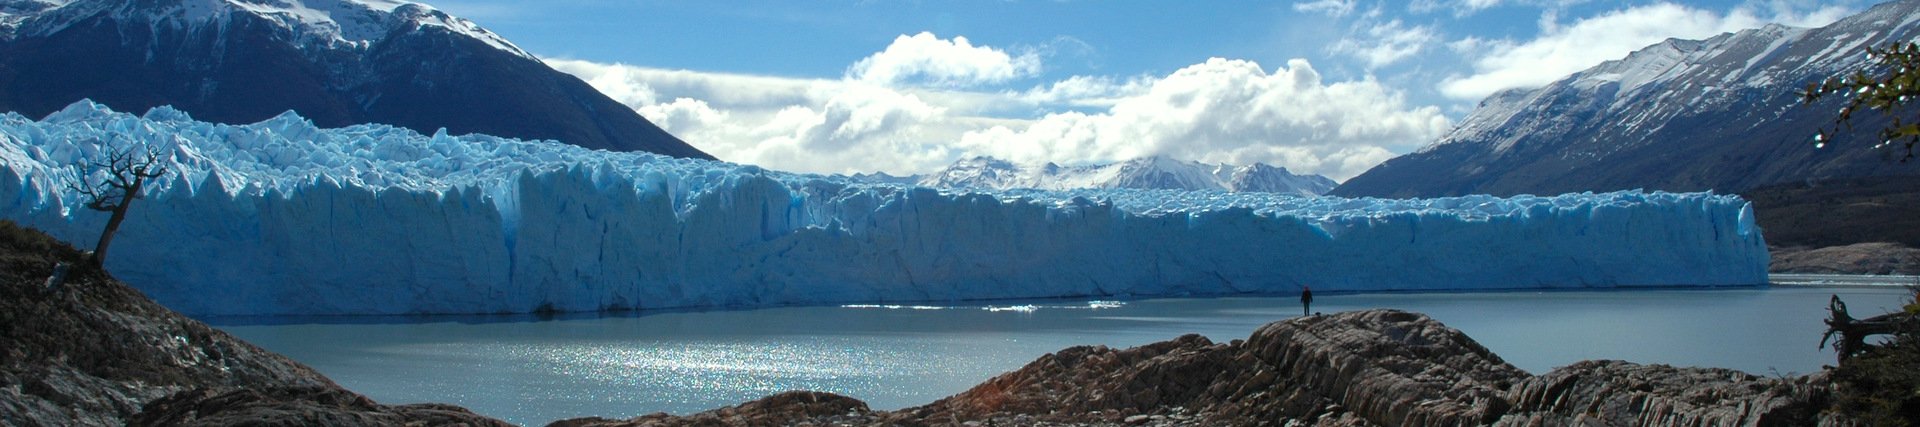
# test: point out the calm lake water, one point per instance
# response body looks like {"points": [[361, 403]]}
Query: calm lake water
{"points": [[533, 372]]}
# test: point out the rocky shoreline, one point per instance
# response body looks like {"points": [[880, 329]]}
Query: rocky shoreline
{"points": [[1879, 258], [95, 352], [1364, 368]]}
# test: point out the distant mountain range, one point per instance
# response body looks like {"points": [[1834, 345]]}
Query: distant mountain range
{"points": [[1146, 173], [1723, 113], [337, 62]]}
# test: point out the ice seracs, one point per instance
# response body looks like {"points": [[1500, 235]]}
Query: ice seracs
{"points": [[281, 217]]}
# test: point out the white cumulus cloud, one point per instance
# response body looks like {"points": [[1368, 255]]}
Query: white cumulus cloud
{"points": [[952, 62], [1087, 91], [1231, 111], [803, 125]]}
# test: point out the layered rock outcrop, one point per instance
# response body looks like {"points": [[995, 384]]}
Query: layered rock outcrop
{"points": [[789, 408], [1389, 367], [1612, 392], [296, 406], [1366, 368]]}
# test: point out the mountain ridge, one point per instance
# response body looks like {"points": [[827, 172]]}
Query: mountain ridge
{"points": [[1723, 114], [336, 62], [1153, 172]]}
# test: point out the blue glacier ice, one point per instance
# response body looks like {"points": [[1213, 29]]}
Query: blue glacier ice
{"points": [[283, 218]]}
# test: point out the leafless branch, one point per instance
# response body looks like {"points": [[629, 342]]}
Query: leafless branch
{"points": [[127, 170]]}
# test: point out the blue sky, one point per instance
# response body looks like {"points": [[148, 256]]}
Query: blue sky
{"points": [[1323, 86]]}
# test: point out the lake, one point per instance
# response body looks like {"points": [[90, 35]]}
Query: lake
{"points": [[532, 371]]}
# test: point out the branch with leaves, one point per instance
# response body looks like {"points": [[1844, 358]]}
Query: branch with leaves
{"points": [[1896, 83]]}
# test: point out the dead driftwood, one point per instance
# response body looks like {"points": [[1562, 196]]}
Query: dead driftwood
{"points": [[1853, 333]]}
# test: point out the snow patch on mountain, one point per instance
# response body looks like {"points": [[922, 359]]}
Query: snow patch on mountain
{"points": [[283, 218], [1648, 85], [1157, 172], [14, 11], [321, 24], [1723, 113]]}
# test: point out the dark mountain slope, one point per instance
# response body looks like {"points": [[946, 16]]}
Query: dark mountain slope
{"points": [[337, 62], [1719, 114]]}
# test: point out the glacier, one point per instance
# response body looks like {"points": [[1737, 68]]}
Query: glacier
{"points": [[284, 218]]}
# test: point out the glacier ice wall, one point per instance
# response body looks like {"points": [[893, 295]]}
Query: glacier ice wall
{"points": [[283, 218]]}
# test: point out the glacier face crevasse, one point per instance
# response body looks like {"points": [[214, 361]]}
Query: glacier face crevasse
{"points": [[282, 218]]}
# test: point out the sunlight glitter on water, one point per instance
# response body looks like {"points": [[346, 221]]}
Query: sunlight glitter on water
{"points": [[1021, 308], [696, 371]]}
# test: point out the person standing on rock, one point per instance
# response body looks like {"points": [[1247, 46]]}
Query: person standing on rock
{"points": [[1306, 300]]}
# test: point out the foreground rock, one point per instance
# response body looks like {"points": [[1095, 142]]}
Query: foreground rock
{"points": [[781, 409], [1379, 367], [94, 352], [1613, 392], [1859, 258], [293, 406]]}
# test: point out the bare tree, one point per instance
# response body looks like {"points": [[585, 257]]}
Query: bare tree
{"points": [[127, 170]]}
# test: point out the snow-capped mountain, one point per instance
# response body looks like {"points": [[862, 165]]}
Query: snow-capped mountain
{"points": [[337, 62], [1155, 173], [1682, 115], [1263, 178]]}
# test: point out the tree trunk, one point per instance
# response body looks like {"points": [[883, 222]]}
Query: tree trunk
{"points": [[1854, 332], [113, 223]]}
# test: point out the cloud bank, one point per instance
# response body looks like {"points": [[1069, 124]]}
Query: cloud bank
{"points": [[1232, 111], [923, 102]]}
